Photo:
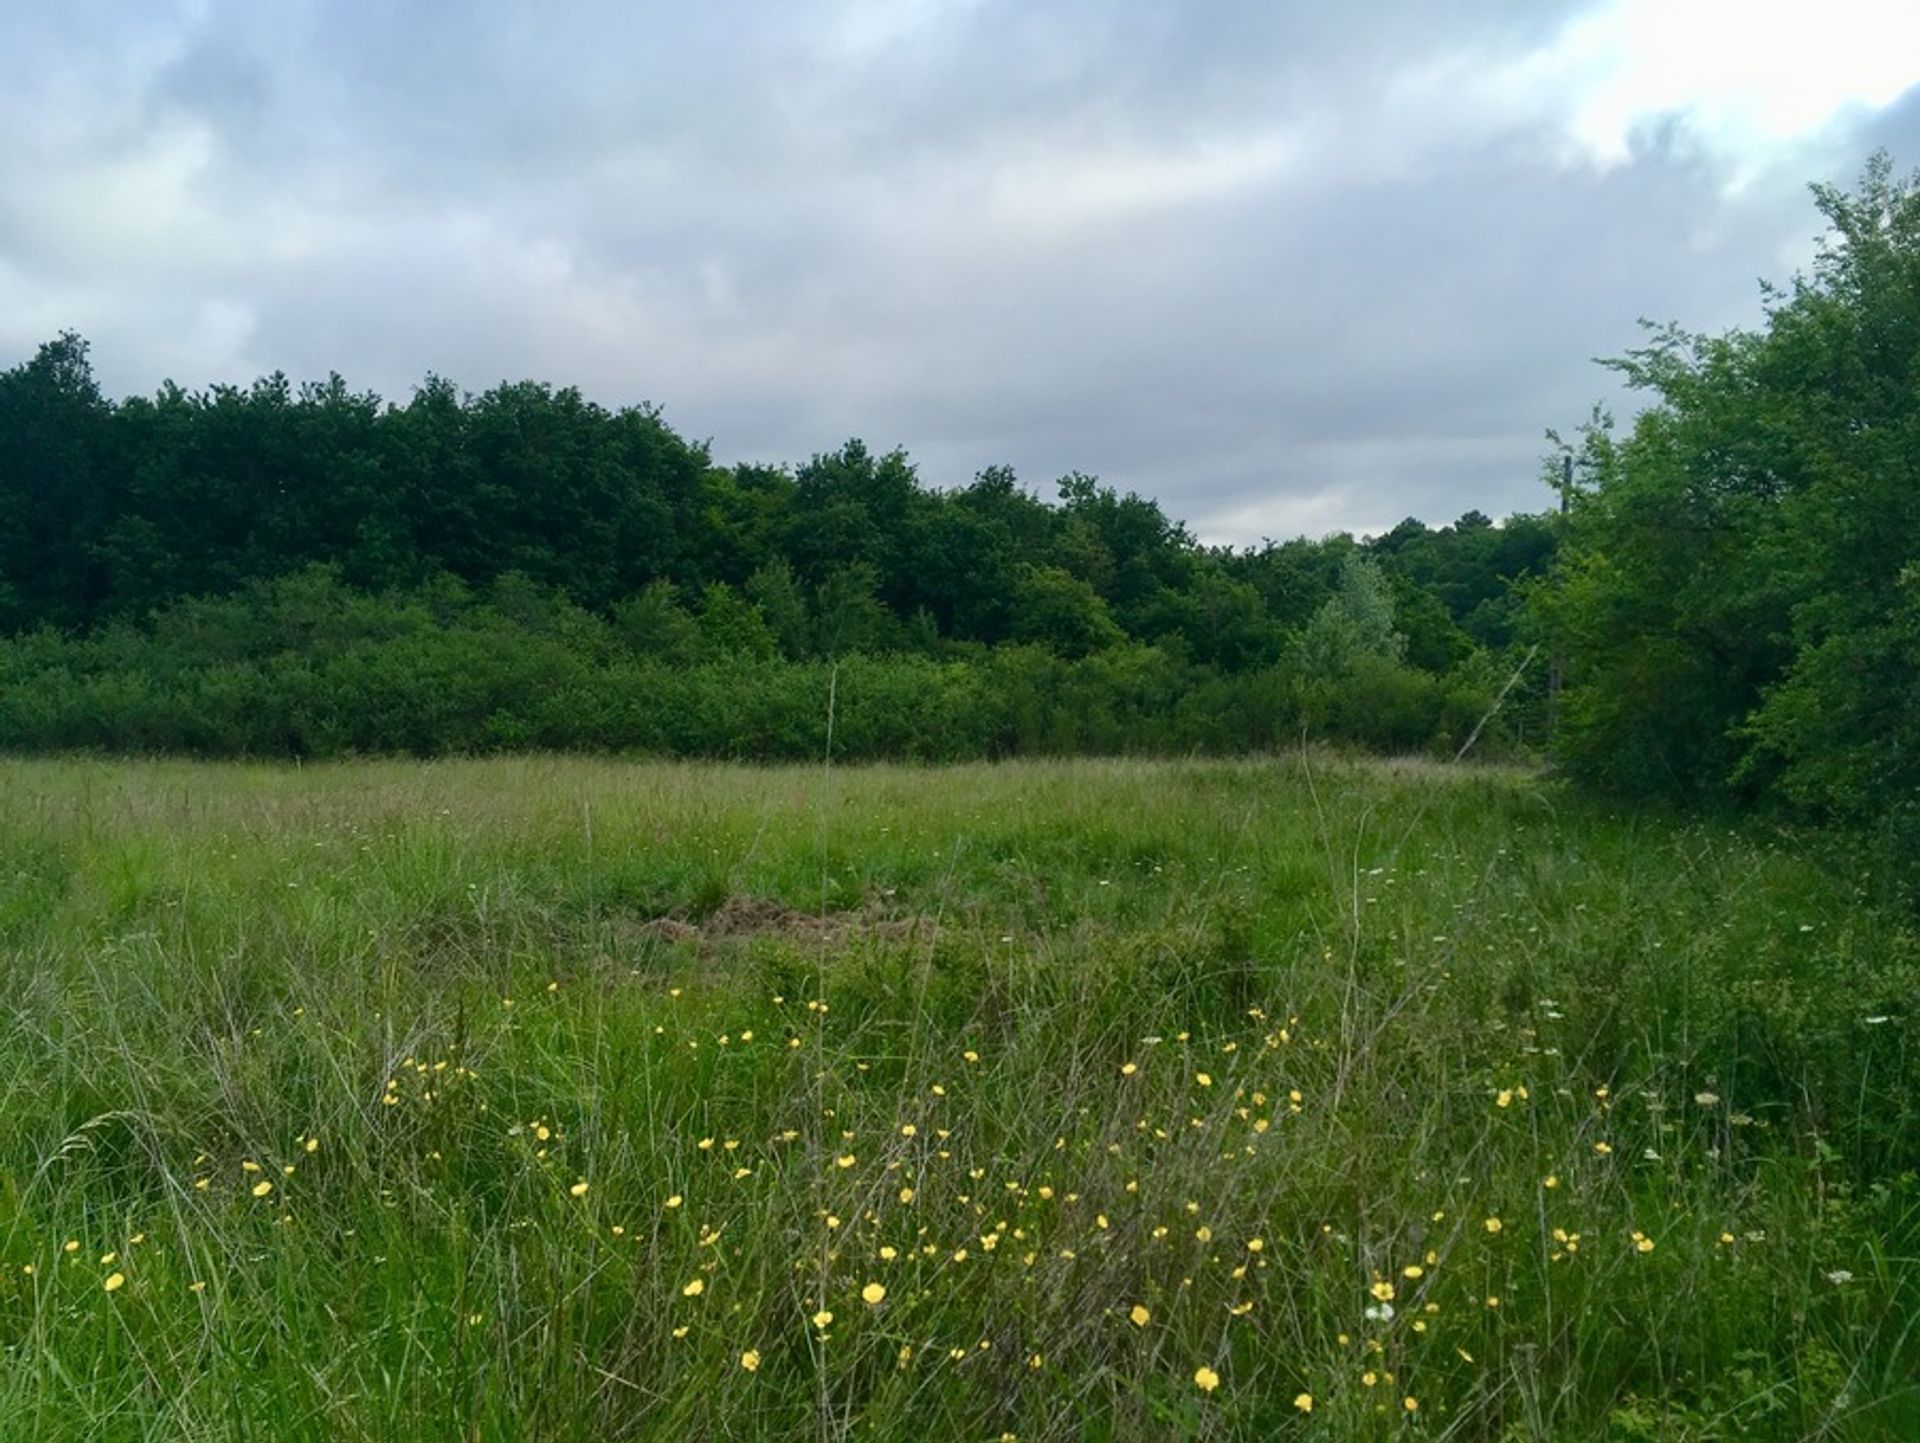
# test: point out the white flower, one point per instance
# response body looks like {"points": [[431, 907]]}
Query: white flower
{"points": [[1839, 1277]]}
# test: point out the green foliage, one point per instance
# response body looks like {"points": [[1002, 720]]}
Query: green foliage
{"points": [[783, 608], [1057, 610], [278, 570], [849, 615], [731, 625], [655, 627], [52, 456], [1737, 608], [309, 666], [111, 512], [1354, 625]]}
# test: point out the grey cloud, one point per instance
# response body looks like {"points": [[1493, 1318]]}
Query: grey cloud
{"points": [[1286, 267]]}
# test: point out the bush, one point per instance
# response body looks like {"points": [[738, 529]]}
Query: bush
{"points": [[307, 667]]}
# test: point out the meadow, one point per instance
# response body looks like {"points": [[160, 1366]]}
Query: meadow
{"points": [[1279, 1098]]}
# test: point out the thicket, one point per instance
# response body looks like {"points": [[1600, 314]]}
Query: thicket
{"points": [[307, 666], [1738, 602], [273, 570]]}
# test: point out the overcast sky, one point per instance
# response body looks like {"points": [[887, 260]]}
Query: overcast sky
{"points": [[1288, 266]]}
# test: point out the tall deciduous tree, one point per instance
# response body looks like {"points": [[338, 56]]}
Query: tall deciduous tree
{"points": [[1738, 607]]}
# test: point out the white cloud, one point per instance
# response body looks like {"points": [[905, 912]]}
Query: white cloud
{"points": [[1059, 191], [864, 30], [1313, 513], [1741, 78]]}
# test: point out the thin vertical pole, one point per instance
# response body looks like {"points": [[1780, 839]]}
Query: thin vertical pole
{"points": [[1553, 658]]}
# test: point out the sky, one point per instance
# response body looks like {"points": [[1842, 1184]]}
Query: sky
{"points": [[1289, 267]]}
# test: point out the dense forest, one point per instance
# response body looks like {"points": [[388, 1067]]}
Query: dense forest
{"points": [[1731, 597], [310, 570]]}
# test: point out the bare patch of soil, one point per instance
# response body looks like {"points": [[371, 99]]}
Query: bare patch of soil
{"points": [[742, 919]]}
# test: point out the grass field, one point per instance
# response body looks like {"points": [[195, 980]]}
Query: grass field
{"points": [[575, 1099]]}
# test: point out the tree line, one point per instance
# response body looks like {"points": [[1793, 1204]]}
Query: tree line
{"points": [[147, 544]]}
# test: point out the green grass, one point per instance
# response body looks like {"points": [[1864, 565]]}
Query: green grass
{"points": [[427, 1000]]}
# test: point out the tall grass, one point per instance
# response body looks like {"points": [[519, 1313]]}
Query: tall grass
{"points": [[1226, 1100]]}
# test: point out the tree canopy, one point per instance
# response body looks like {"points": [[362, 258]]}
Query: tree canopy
{"points": [[1739, 598], [111, 510]]}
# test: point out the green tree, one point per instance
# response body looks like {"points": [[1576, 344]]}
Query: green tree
{"points": [[849, 615], [783, 607], [1735, 606], [656, 627], [731, 625], [1061, 612], [1355, 623], [56, 500]]}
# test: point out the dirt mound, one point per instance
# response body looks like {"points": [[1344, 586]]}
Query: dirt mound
{"points": [[741, 919]]}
